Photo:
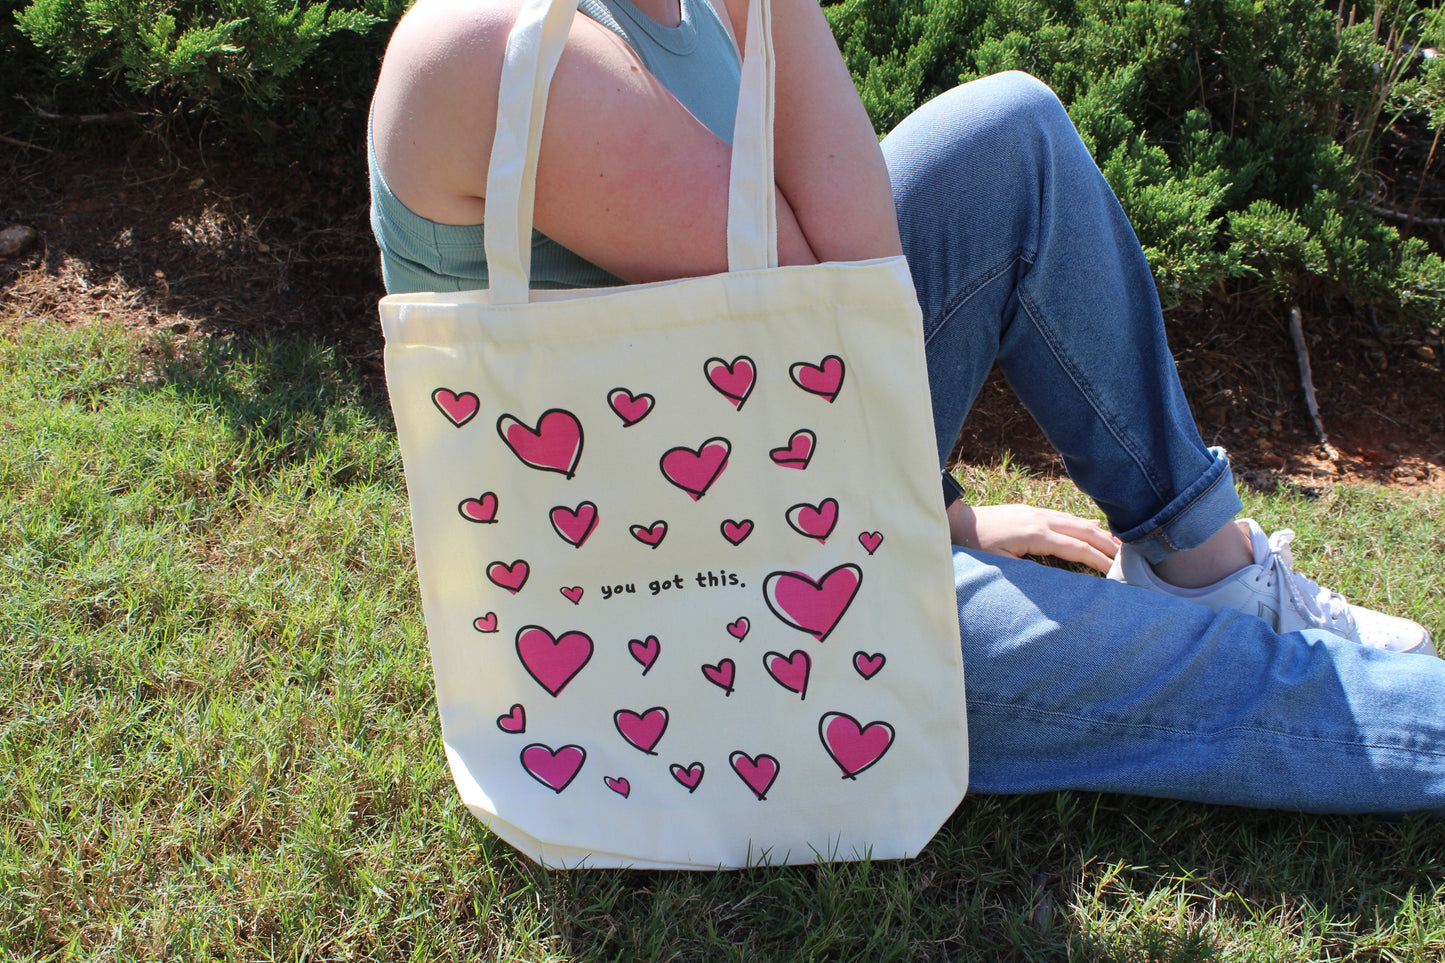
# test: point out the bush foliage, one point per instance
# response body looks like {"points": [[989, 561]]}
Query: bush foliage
{"points": [[1243, 137]]}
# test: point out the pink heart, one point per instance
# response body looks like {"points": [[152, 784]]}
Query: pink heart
{"points": [[643, 729], [620, 785], [554, 445], [573, 593], [814, 521], [870, 541], [735, 532], [482, 509], [797, 452], [868, 665], [553, 768], [812, 606], [790, 671], [689, 776], [721, 675], [739, 629], [510, 577], [758, 772], [824, 379], [459, 408], [485, 623], [514, 721], [733, 381], [629, 407], [854, 747], [650, 534], [573, 525], [553, 662], [645, 651], [694, 470]]}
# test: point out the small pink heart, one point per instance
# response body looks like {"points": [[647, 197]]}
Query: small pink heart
{"points": [[695, 470], [645, 651], [485, 623], [459, 408], [733, 381], [735, 532], [510, 577], [739, 629], [514, 721], [642, 729], [483, 509], [797, 452], [573, 525], [620, 785], [853, 746], [789, 671], [814, 521], [688, 776], [553, 768], [757, 772], [573, 593], [824, 379], [870, 541], [650, 534], [721, 675], [868, 665], [554, 445], [629, 407]]}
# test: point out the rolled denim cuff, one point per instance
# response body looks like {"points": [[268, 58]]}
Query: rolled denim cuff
{"points": [[1192, 517]]}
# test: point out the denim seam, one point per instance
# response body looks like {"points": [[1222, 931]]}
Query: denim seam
{"points": [[968, 291], [1161, 532], [1013, 709], [1036, 315]]}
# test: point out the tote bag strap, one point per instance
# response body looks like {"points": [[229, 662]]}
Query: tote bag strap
{"points": [[533, 49]]}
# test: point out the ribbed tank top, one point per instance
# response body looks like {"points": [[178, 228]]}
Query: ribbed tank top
{"points": [[696, 61]]}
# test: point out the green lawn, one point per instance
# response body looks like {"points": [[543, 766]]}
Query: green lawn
{"points": [[217, 736]]}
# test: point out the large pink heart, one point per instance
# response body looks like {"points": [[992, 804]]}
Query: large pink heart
{"points": [[553, 768], [573, 525], [814, 521], [642, 729], [758, 772], [553, 662], [853, 746], [554, 445], [824, 378], [789, 671], [812, 606], [459, 408], [629, 407], [733, 381], [695, 470]]}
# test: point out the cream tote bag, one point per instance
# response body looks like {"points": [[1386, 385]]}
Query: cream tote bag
{"points": [[683, 555]]}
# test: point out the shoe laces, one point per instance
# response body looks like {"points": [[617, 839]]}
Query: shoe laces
{"points": [[1318, 606]]}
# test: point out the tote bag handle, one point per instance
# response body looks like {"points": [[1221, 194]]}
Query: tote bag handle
{"points": [[533, 49]]}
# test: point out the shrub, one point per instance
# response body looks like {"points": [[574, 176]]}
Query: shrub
{"points": [[1240, 135]]}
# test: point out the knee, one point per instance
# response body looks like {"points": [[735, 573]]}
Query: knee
{"points": [[1014, 101]]}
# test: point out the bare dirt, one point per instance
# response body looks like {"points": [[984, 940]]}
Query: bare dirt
{"points": [[191, 244]]}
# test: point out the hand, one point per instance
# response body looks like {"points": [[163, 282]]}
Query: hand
{"points": [[1019, 530]]}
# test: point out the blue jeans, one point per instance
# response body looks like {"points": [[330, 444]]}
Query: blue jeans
{"points": [[1021, 255]]}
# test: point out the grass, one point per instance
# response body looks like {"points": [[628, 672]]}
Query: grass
{"points": [[218, 739]]}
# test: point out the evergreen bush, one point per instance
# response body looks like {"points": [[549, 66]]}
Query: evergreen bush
{"points": [[1240, 135]]}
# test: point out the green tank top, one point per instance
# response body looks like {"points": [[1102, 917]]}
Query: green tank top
{"points": [[696, 61]]}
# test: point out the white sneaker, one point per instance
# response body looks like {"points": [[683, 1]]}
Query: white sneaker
{"points": [[1285, 599]]}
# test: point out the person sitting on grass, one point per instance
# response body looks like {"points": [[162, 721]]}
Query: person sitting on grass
{"points": [[1204, 667]]}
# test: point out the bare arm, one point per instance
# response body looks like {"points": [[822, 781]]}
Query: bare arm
{"points": [[628, 178]]}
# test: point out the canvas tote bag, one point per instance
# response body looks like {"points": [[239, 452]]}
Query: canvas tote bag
{"points": [[683, 556]]}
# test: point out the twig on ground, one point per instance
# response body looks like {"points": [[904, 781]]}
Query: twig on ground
{"points": [[1394, 215], [23, 143], [1302, 355]]}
